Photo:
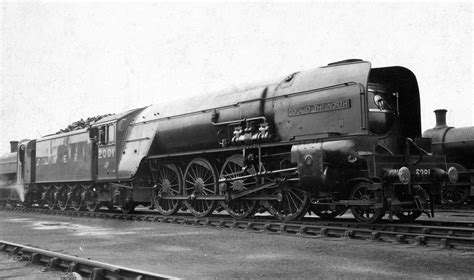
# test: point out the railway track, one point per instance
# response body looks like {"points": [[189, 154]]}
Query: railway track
{"points": [[459, 235], [71, 265], [465, 206]]}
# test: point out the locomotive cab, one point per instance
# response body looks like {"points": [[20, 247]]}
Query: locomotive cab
{"points": [[393, 102]]}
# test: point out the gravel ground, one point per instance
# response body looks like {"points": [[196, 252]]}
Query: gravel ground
{"points": [[206, 253], [12, 269]]}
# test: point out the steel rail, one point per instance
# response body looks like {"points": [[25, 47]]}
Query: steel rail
{"points": [[92, 269], [453, 235], [421, 224]]}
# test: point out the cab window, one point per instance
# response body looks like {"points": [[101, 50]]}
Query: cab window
{"points": [[111, 136], [107, 134], [103, 135]]}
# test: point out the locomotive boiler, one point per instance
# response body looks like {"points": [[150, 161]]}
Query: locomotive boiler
{"points": [[458, 145], [341, 136]]}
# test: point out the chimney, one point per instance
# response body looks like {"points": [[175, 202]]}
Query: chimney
{"points": [[440, 118], [13, 146]]}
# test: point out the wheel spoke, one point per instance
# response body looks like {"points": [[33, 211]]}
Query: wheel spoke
{"points": [[175, 191], [365, 214], [290, 198], [208, 190], [190, 182], [200, 171], [293, 205], [232, 168], [208, 178], [296, 196], [170, 183], [200, 178]]}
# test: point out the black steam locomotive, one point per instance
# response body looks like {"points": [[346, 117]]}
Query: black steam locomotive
{"points": [[458, 145], [324, 140]]}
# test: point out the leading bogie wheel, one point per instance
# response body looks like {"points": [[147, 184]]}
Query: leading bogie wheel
{"points": [[366, 213], [200, 180], [232, 168], [169, 183]]}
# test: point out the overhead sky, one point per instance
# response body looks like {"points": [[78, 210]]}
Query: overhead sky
{"points": [[63, 61]]}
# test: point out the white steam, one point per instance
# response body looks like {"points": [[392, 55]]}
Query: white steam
{"points": [[18, 188]]}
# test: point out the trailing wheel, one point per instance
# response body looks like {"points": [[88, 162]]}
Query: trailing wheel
{"points": [[169, 183], [232, 168], [62, 198], [76, 200], [293, 203], [408, 215], [366, 213], [200, 179]]}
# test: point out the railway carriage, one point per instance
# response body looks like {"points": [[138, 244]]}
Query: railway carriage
{"points": [[324, 140]]}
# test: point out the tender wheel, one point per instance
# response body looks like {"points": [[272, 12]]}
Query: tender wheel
{"points": [[326, 212], [292, 205], [90, 201], [50, 198], [169, 182], [366, 214], [454, 195], [200, 179], [408, 215], [62, 198], [232, 168], [76, 200]]}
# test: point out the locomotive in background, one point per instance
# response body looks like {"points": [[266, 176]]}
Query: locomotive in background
{"points": [[324, 140], [458, 145]]}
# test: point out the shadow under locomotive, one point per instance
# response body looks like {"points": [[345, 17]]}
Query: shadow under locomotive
{"points": [[324, 140]]}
